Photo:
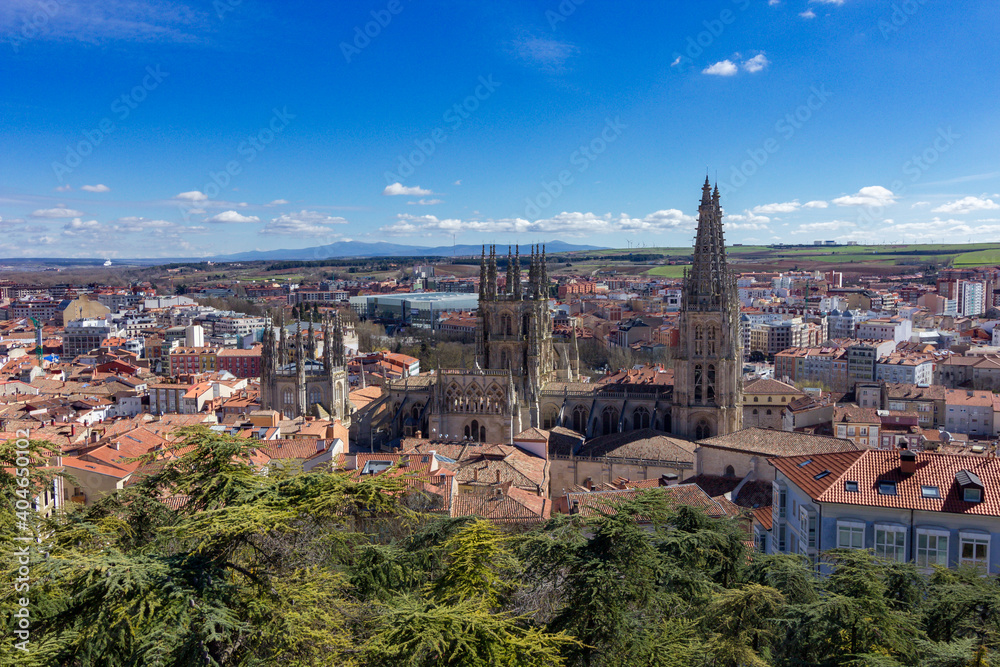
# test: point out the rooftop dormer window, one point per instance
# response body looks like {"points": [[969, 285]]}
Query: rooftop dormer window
{"points": [[970, 485], [851, 486], [887, 488], [972, 495]]}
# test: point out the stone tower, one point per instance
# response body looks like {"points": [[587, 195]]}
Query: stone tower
{"points": [[515, 330], [295, 383], [707, 386]]}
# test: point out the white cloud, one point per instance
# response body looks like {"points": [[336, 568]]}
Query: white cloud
{"points": [[677, 61], [808, 14], [426, 202], [232, 216], [782, 207], [100, 187], [303, 223], [400, 189], [872, 195], [458, 182], [135, 224], [721, 68], [920, 204], [63, 188], [78, 227], [816, 203], [58, 212], [756, 64], [194, 195], [278, 202], [773, 2], [548, 54], [967, 205], [828, 2]]}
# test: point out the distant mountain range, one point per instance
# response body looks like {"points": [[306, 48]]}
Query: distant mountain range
{"points": [[344, 249]]}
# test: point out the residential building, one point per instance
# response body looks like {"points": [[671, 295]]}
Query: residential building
{"points": [[970, 411], [926, 509]]}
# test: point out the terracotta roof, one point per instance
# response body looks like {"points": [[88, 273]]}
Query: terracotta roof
{"points": [[507, 504], [778, 443], [606, 502], [852, 414], [294, 448], [768, 386], [870, 468], [644, 443]]}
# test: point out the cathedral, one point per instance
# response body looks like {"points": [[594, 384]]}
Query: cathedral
{"points": [[523, 378], [295, 383]]}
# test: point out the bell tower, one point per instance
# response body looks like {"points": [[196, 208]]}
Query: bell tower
{"points": [[707, 398]]}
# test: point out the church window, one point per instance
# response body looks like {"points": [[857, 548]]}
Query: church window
{"points": [[503, 359], [482, 434], [697, 383], [730, 471], [288, 398], [507, 324], [710, 384], [756, 399], [755, 410], [768, 413], [550, 417], [713, 335], [580, 419], [315, 395], [702, 430], [609, 420], [525, 325], [699, 340], [474, 428], [640, 418]]}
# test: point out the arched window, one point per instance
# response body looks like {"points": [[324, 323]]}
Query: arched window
{"points": [[697, 383], [710, 383], [482, 434], [580, 419], [315, 395], [702, 430], [730, 471], [609, 420], [755, 410], [288, 398], [768, 413], [468, 432], [667, 422], [640, 418], [699, 340], [756, 399], [525, 325], [549, 416], [770, 399], [507, 324], [474, 428], [713, 335], [503, 359]]}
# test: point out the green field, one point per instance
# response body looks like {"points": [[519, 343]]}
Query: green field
{"points": [[978, 258], [671, 271]]}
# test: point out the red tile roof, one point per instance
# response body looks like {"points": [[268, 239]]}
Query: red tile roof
{"points": [[870, 467]]}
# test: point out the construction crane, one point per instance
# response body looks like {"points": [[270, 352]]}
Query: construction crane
{"points": [[38, 340]]}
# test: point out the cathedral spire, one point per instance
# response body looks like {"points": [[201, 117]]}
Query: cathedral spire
{"points": [[482, 276], [517, 273], [491, 278], [544, 276], [707, 282], [509, 287]]}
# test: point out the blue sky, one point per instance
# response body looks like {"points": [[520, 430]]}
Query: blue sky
{"points": [[144, 128]]}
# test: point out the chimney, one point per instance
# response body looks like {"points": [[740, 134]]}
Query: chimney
{"points": [[420, 434], [907, 462]]}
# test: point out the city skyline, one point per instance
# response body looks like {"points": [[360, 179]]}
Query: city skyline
{"points": [[157, 128]]}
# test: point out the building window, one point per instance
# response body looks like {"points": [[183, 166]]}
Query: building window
{"points": [[974, 549], [890, 542], [850, 535], [972, 495], [932, 548]]}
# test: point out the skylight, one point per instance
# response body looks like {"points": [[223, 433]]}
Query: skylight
{"points": [[805, 463], [851, 486], [887, 488], [930, 492], [821, 475]]}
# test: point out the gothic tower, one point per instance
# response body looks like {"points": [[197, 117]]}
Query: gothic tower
{"points": [[515, 331], [707, 387]]}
